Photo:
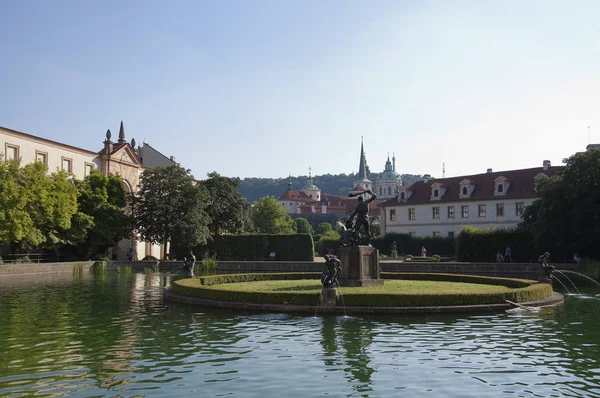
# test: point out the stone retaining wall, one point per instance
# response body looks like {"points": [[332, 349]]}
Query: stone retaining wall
{"points": [[42, 268]]}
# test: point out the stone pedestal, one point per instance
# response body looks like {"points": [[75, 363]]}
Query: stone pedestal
{"points": [[329, 297], [360, 266], [394, 253]]}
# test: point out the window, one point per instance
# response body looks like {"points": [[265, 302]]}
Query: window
{"points": [[380, 191], [402, 195], [66, 164], [12, 152], [89, 167], [436, 212], [500, 187], [436, 234], [411, 234], [411, 213], [390, 191], [519, 208], [482, 211], [436, 193], [450, 211], [499, 209], [464, 211], [465, 191], [451, 234], [41, 157], [393, 215]]}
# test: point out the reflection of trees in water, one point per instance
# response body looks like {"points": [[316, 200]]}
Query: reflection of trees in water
{"points": [[354, 336]]}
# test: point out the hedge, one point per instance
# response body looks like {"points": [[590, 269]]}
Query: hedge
{"points": [[209, 288], [481, 245], [406, 244], [294, 247]]}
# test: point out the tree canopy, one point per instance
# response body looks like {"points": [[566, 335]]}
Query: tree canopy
{"points": [[566, 216], [303, 226], [323, 228], [228, 210], [270, 218], [169, 208]]}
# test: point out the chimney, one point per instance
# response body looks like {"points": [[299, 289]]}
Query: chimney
{"points": [[546, 164], [489, 170]]}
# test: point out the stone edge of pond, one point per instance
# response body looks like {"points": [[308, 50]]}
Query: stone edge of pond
{"points": [[554, 300]]}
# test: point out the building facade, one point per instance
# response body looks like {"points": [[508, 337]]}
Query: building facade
{"points": [[120, 157], [441, 207]]}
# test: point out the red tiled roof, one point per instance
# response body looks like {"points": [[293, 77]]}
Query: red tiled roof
{"points": [[296, 195], [522, 184]]}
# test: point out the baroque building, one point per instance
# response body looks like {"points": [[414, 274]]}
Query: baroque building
{"points": [[121, 157]]}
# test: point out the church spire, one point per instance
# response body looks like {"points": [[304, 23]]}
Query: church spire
{"points": [[290, 182], [394, 161], [121, 134], [362, 166]]}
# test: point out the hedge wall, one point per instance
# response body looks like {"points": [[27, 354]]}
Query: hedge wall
{"points": [[474, 245], [405, 244], [295, 247]]}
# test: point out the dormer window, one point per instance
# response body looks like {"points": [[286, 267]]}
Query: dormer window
{"points": [[402, 196], [405, 194], [437, 191], [501, 185], [466, 188]]}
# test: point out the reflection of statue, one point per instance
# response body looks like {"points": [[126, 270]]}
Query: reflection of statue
{"points": [[362, 212], [188, 265], [331, 271], [547, 269]]}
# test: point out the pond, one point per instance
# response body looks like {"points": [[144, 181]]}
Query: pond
{"points": [[115, 336]]}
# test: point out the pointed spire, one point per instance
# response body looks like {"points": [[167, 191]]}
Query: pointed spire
{"points": [[362, 166], [394, 161], [290, 182], [121, 134]]}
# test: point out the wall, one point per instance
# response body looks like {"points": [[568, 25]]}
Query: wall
{"points": [[43, 268]]}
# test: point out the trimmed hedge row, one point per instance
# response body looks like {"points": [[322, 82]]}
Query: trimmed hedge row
{"points": [[481, 245], [294, 247], [209, 288]]}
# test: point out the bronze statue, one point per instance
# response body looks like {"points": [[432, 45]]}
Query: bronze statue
{"points": [[362, 212], [331, 271]]}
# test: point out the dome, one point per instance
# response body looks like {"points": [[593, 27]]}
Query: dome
{"points": [[388, 176], [310, 187]]}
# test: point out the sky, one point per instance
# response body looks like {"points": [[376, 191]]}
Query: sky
{"points": [[268, 88]]}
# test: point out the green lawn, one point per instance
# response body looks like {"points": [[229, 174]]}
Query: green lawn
{"points": [[390, 286]]}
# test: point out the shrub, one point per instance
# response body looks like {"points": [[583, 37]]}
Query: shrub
{"points": [[481, 245], [150, 258], [406, 244]]}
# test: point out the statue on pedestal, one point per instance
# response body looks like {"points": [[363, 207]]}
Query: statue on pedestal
{"points": [[362, 214], [188, 264]]}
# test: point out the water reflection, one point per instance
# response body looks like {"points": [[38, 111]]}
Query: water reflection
{"points": [[114, 335]]}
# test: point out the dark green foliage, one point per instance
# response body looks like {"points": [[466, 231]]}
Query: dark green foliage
{"points": [[481, 245], [303, 226], [255, 188], [268, 217], [566, 216], [295, 247], [323, 228], [227, 209], [405, 244], [169, 208]]}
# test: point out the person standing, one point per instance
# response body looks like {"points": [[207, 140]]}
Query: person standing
{"points": [[508, 254]]}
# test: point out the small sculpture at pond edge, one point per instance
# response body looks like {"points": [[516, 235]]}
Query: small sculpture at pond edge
{"points": [[331, 271], [188, 265], [547, 269]]}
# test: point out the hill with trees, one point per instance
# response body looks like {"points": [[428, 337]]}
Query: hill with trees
{"points": [[336, 184]]}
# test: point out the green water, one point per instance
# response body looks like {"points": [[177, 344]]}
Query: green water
{"points": [[115, 336]]}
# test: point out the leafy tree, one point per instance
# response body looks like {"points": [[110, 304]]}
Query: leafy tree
{"points": [[270, 218], [303, 226], [37, 209], [169, 208], [566, 216], [227, 209], [103, 199], [324, 228]]}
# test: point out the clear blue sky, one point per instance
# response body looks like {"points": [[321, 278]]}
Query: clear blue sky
{"points": [[265, 88]]}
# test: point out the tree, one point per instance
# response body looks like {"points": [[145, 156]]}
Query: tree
{"points": [[41, 207], [103, 198], [169, 208], [303, 226], [228, 210], [566, 216], [324, 228], [270, 218]]}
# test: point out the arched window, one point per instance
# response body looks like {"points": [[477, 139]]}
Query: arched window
{"points": [[465, 191], [380, 191], [390, 191], [500, 188], [436, 193]]}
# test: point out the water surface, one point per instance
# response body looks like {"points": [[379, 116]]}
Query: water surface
{"points": [[115, 336]]}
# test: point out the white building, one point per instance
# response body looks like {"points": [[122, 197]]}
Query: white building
{"points": [[388, 183], [120, 158], [441, 207]]}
